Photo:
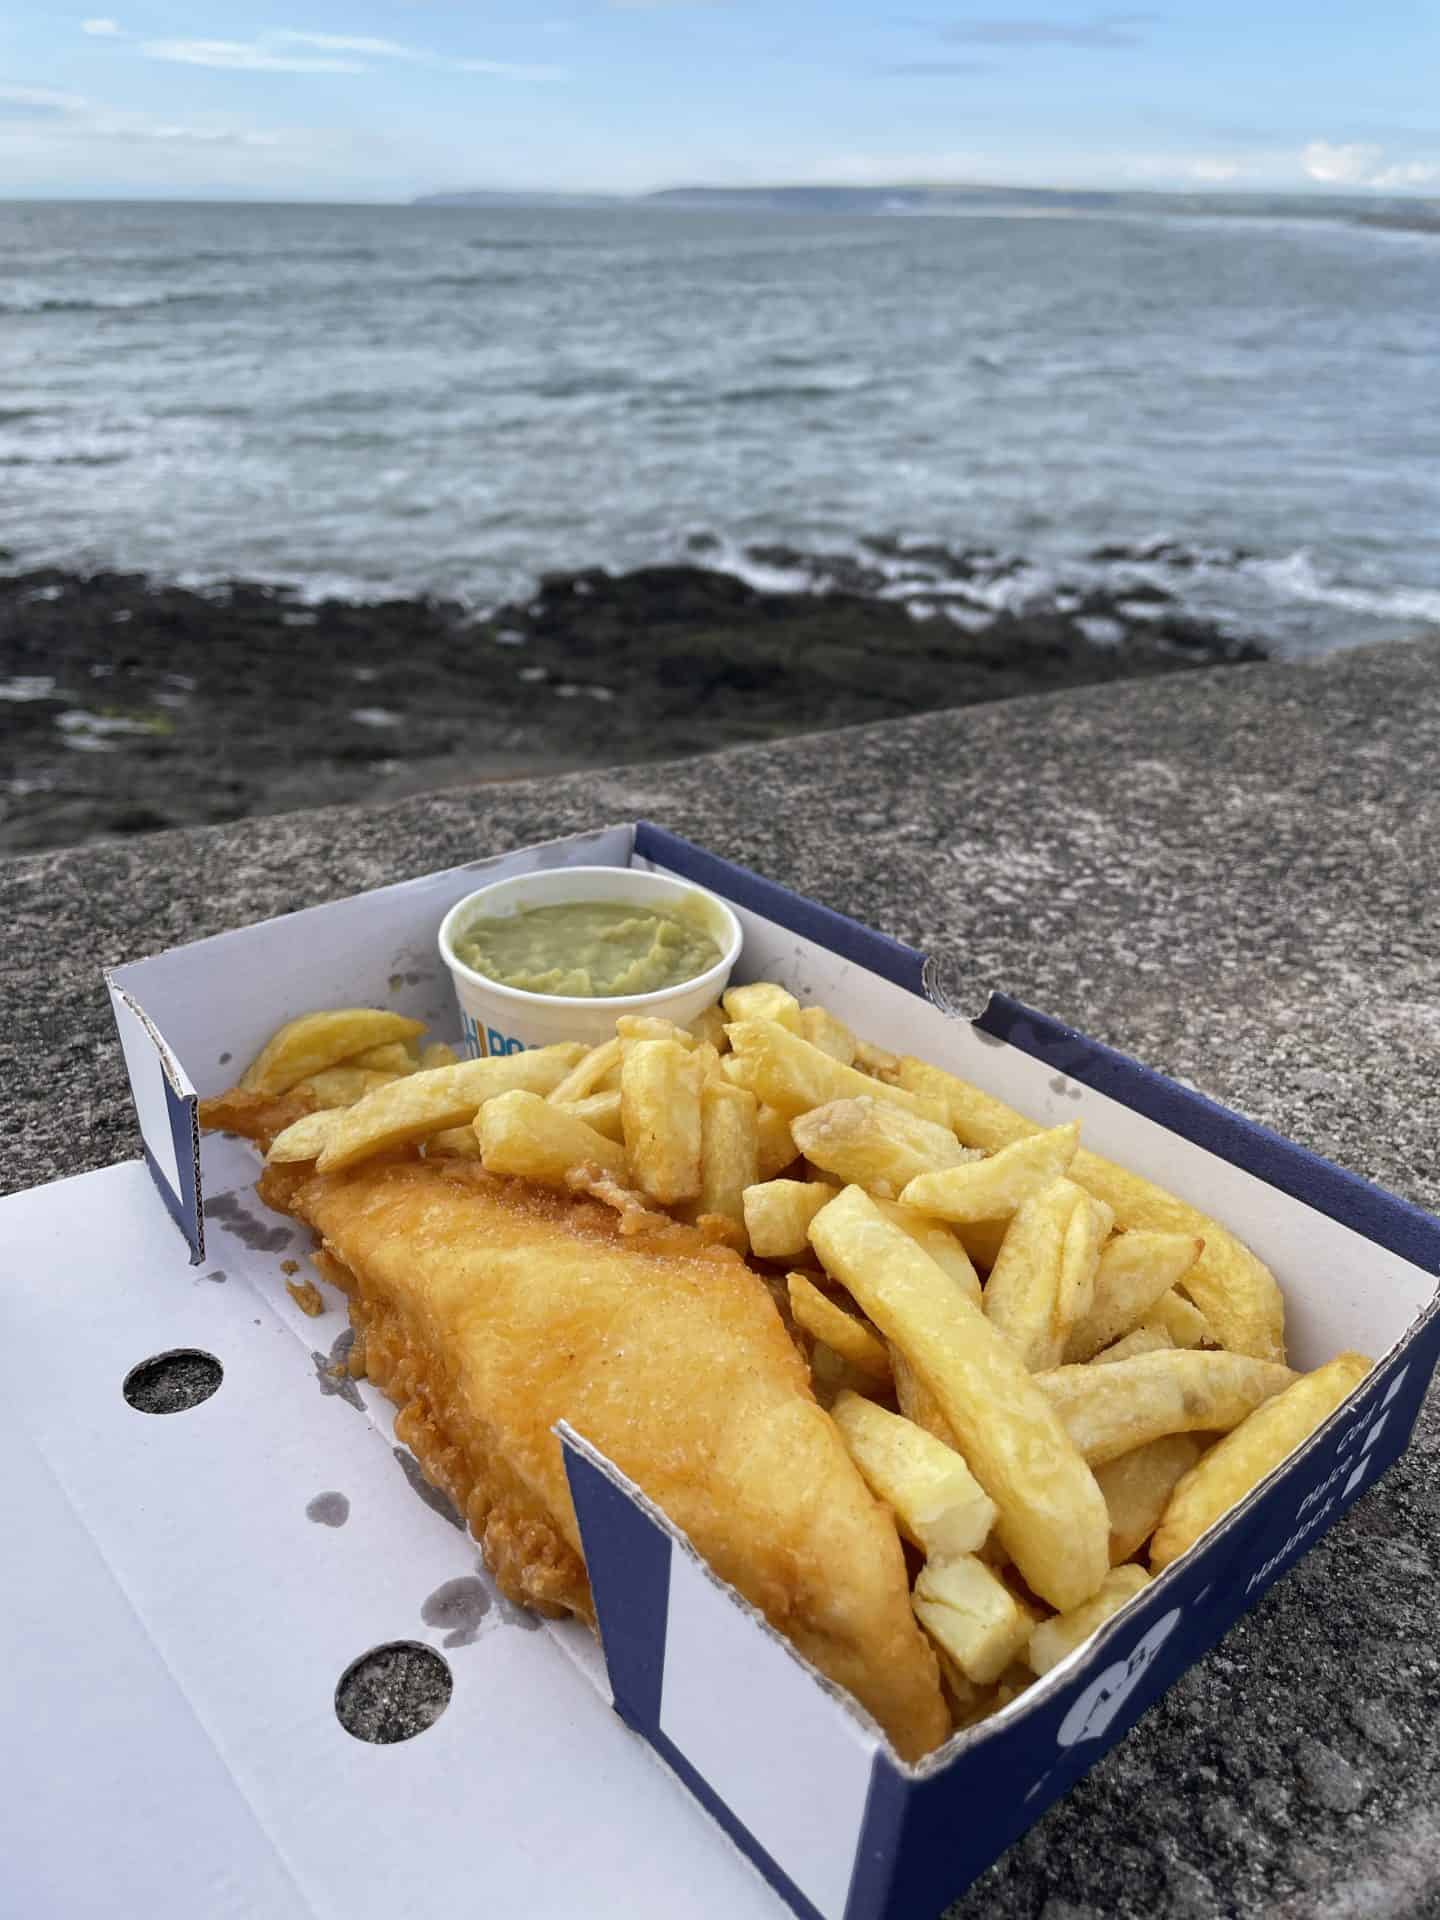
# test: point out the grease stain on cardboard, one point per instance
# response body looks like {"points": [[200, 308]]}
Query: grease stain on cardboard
{"points": [[328, 1509], [437, 1501], [332, 1374], [249, 1230], [459, 1605]]}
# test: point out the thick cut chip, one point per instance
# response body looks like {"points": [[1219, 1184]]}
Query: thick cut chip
{"points": [[344, 1086], [916, 1401], [412, 1108], [1182, 1320], [598, 1110], [1135, 1271], [778, 1215], [1146, 1339], [519, 1133], [1235, 1291], [983, 1240], [707, 1059], [763, 1000], [393, 1057], [871, 1059], [787, 1072], [873, 1144], [832, 1374], [1045, 1273], [710, 1026], [306, 1138], [319, 1040], [1109, 1410], [631, 1027], [1085, 1236], [973, 1615], [1053, 1521], [585, 1076], [939, 1504], [823, 1320], [729, 1149], [776, 1143], [660, 1110], [832, 1036], [992, 1189], [936, 1239], [1242, 1459], [438, 1054], [1137, 1488], [461, 1141], [1053, 1639]]}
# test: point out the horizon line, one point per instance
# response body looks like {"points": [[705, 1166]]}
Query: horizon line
{"points": [[1219, 190]]}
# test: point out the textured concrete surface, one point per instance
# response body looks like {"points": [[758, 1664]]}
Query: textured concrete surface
{"points": [[1234, 875]]}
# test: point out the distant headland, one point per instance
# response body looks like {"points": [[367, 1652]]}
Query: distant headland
{"points": [[1404, 212]]}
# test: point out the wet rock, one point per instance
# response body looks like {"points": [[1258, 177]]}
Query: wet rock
{"points": [[138, 705]]}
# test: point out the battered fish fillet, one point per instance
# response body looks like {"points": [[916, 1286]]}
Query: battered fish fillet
{"points": [[489, 1310]]}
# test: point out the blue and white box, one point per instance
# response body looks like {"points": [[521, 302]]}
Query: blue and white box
{"points": [[796, 1775]]}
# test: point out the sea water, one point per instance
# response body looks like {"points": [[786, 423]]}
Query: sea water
{"points": [[396, 400]]}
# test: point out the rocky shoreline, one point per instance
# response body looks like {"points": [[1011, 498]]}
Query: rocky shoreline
{"points": [[127, 705]]}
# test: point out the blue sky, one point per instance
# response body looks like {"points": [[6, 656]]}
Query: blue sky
{"points": [[381, 99]]}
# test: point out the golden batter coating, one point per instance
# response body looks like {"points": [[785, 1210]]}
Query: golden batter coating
{"points": [[490, 1310]]}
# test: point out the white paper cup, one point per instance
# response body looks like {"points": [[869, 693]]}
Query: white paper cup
{"points": [[500, 1019]]}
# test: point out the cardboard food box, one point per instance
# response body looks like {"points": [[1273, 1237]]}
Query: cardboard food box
{"points": [[191, 1600]]}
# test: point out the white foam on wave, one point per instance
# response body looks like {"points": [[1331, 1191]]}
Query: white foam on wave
{"points": [[985, 586], [309, 589], [1099, 631], [728, 556], [1295, 577]]}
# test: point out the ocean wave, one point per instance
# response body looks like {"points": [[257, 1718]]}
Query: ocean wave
{"points": [[763, 395], [182, 261], [1157, 579], [1154, 591], [62, 459], [1295, 577], [467, 282], [117, 303]]}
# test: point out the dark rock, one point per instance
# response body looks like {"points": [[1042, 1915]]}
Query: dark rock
{"points": [[208, 706]]}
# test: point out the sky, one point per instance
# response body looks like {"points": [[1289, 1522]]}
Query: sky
{"points": [[383, 99]]}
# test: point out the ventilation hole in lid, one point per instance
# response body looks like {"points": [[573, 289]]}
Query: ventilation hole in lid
{"points": [[393, 1692], [172, 1382]]}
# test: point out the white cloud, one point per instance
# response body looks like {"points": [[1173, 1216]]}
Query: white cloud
{"points": [[346, 43], [103, 29], [40, 100], [1357, 163], [1349, 166], [80, 142], [505, 67], [1414, 173], [241, 56], [179, 134], [289, 51], [1215, 171], [1105, 30]]}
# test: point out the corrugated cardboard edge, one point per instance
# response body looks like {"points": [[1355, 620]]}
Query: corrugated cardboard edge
{"points": [[187, 1212]]}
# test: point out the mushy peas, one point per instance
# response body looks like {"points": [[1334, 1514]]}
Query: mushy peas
{"points": [[587, 949]]}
